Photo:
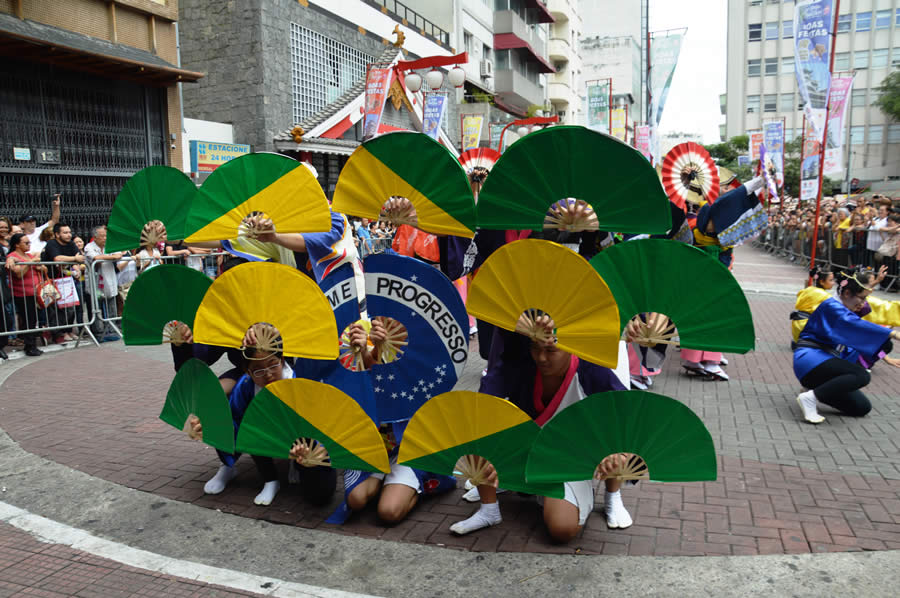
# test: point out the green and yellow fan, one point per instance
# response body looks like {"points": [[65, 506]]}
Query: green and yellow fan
{"points": [[242, 193], [158, 300], [266, 293], [526, 277], [412, 166], [561, 166], [671, 441], [697, 292], [196, 391], [153, 206], [330, 423], [447, 434]]}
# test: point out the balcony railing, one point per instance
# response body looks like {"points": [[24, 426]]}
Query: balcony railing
{"points": [[415, 20], [510, 81], [507, 21]]}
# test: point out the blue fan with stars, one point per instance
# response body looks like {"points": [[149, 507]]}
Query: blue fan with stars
{"points": [[426, 303]]}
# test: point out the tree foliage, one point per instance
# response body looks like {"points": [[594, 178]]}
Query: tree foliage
{"points": [[889, 100]]}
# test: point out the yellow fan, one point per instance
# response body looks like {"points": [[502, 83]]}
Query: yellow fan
{"points": [[262, 292], [529, 275]]}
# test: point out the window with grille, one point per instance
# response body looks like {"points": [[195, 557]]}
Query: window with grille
{"points": [[771, 66], [857, 135], [772, 30], [863, 21], [861, 59], [787, 65], [770, 102], [322, 69], [883, 19], [858, 97], [844, 23], [876, 134], [752, 104], [753, 67], [754, 32], [842, 61], [786, 102], [893, 135], [788, 28], [879, 58]]}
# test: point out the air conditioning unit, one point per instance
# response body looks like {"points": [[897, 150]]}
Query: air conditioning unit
{"points": [[487, 68]]}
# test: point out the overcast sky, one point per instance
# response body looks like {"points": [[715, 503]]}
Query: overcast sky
{"points": [[693, 102]]}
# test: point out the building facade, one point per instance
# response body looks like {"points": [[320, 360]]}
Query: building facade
{"points": [[89, 96], [520, 55], [761, 84], [563, 51]]}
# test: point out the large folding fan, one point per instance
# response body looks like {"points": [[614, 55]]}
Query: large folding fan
{"points": [[196, 391], [297, 409], [156, 193], [262, 292], [672, 441], [412, 166], [689, 174], [694, 290], [532, 274], [573, 162], [279, 187], [159, 298], [462, 423], [479, 157]]}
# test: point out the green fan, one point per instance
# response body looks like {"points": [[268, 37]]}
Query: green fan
{"points": [[672, 441], [697, 292], [548, 166], [330, 423], [196, 390], [272, 185], [156, 193], [413, 166], [462, 423], [159, 298]]}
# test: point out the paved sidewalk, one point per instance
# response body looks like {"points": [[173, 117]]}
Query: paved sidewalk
{"points": [[784, 486]]}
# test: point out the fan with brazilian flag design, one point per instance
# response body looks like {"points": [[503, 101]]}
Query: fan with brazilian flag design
{"points": [[288, 411], [275, 294], [268, 185], [412, 166], [558, 163], [196, 391], [526, 277], [160, 298], [697, 292], [671, 440], [461, 424], [156, 194]]}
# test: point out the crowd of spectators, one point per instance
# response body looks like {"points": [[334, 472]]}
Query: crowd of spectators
{"points": [[863, 231], [371, 236]]}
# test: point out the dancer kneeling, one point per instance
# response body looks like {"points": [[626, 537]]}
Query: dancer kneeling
{"points": [[542, 380], [827, 352], [263, 367]]}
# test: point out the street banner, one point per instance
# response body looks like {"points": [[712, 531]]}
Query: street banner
{"points": [[471, 132], [837, 109], [664, 50], [756, 139], [809, 163], [642, 139], [812, 50], [598, 93], [768, 171], [377, 82], [773, 139], [619, 127], [435, 104], [495, 129]]}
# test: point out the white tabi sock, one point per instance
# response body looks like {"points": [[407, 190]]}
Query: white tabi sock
{"points": [[617, 515], [268, 493], [486, 516], [807, 401], [220, 480]]}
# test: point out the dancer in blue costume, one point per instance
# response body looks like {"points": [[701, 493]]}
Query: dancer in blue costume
{"points": [[826, 357]]}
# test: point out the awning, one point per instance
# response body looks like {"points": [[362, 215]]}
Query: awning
{"points": [[509, 107], [508, 41], [28, 40], [543, 13]]}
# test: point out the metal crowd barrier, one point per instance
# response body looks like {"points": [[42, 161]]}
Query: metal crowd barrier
{"points": [[795, 245], [23, 319]]}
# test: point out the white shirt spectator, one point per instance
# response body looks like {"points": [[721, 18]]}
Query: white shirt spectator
{"points": [[107, 276], [37, 246], [876, 238]]}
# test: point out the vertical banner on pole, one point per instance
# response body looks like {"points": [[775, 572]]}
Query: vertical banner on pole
{"points": [[471, 131], [773, 136], [642, 139], [494, 130], [837, 110], [433, 113], [377, 82], [756, 139], [598, 105], [619, 128], [664, 51], [812, 51], [809, 163]]}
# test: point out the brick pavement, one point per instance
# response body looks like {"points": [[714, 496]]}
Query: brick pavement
{"points": [[783, 487], [30, 568]]}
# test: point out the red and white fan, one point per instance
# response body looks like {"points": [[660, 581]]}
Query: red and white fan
{"points": [[483, 157], [689, 174]]}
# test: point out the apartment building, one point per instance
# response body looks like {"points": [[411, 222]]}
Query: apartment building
{"points": [[761, 84]]}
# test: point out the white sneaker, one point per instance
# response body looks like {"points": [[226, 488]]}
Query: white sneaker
{"points": [[807, 402], [693, 368], [723, 361], [638, 383]]}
